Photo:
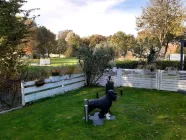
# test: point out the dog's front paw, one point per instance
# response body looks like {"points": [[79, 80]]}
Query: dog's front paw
{"points": [[108, 116]]}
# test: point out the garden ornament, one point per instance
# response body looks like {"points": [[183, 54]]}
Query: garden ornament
{"points": [[104, 103], [109, 85]]}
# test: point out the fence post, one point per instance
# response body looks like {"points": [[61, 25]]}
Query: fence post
{"points": [[132, 81], [22, 93], [158, 80], [119, 77], [85, 79]]}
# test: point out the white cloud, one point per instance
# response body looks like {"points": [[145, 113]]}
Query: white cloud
{"points": [[84, 17]]}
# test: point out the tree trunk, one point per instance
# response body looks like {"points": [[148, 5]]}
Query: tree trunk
{"points": [[88, 79], [43, 56], [159, 51], [48, 54], [166, 48]]}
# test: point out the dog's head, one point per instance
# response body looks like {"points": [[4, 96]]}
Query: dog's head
{"points": [[112, 94]]}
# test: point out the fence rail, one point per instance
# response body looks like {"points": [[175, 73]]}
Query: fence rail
{"points": [[159, 79], [53, 85]]}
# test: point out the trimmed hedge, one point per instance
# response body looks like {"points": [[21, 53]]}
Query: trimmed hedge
{"points": [[164, 64], [135, 64], [129, 64]]}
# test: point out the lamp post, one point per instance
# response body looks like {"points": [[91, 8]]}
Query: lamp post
{"points": [[183, 44]]}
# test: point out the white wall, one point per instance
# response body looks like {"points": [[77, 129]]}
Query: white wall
{"points": [[175, 57]]}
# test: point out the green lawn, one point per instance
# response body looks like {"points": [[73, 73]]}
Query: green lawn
{"points": [[59, 61], [64, 61], [140, 114]]}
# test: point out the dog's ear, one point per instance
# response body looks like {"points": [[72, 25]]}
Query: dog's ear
{"points": [[112, 94]]}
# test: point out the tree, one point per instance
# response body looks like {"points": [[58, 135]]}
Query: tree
{"points": [[14, 31], [46, 41], [30, 46], [85, 41], [144, 42], [96, 39], [63, 34], [140, 49], [94, 60], [162, 18], [122, 42], [151, 56], [74, 42], [61, 46]]}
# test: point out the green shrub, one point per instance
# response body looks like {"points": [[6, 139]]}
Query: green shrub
{"points": [[129, 64], [36, 72], [69, 69], [164, 64], [140, 64], [56, 72], [94, 60]]}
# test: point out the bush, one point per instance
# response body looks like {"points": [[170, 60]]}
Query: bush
{"points": [[129, 64], [56, 72], [164, 64], [94, 60], [36, 72], [136, 64], [78, 69], [69, 70], [33, 73]]}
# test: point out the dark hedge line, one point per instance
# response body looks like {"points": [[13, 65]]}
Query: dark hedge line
{"points": [[138, 64]]}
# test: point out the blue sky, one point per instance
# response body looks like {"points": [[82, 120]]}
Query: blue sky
{"points": [[131, 5], [87, 17]]}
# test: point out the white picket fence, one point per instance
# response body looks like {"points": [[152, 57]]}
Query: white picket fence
{"points": [[159, 79], [173, 82], [53, 86]]}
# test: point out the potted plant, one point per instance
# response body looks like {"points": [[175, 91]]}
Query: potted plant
{"points": [[171, 71], [56, 72], [55, 75], [69, 71], [39, 82], [150, 68]]}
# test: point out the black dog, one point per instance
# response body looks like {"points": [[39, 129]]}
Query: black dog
{"points": [[104, 103]]}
